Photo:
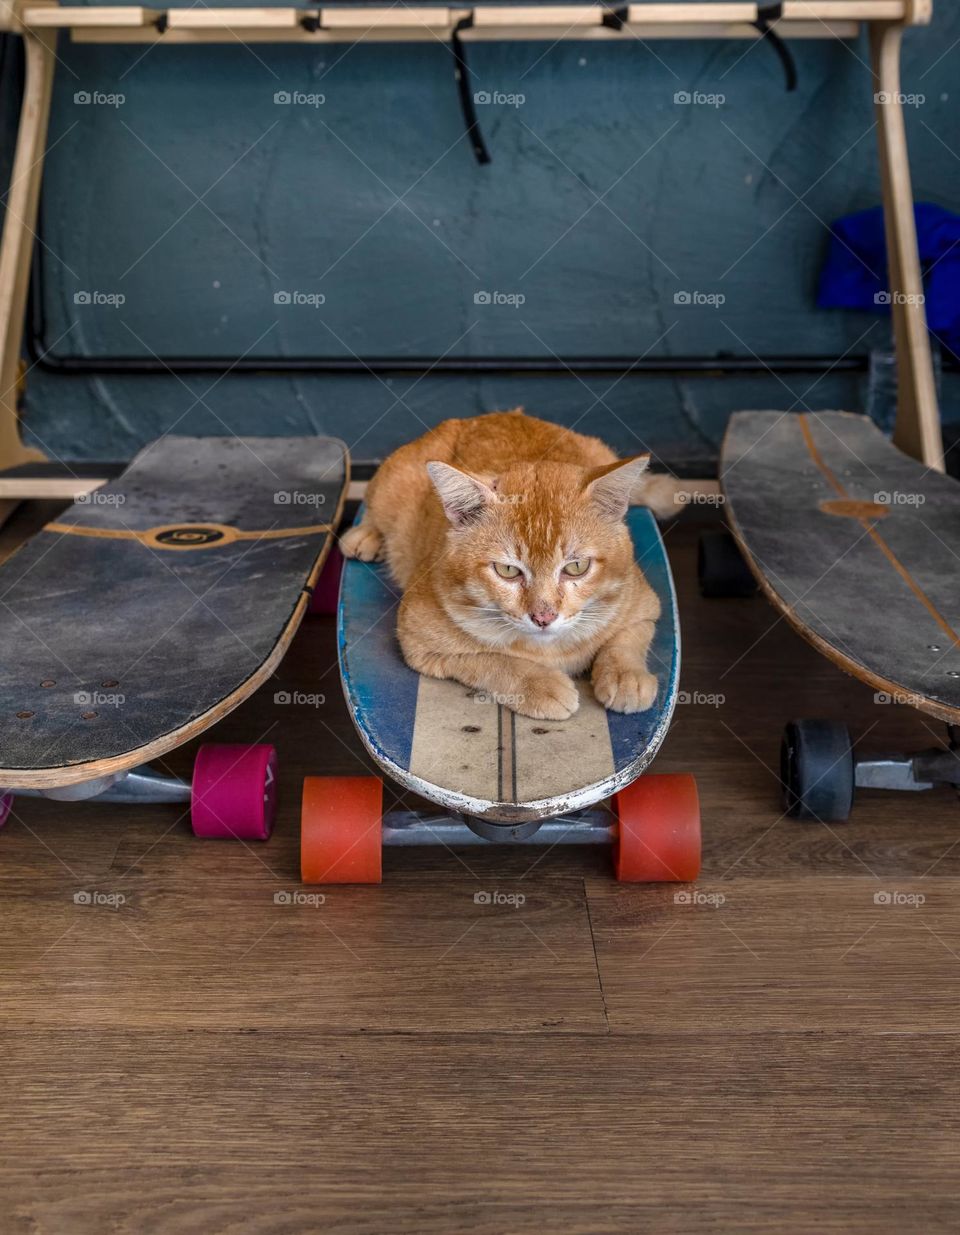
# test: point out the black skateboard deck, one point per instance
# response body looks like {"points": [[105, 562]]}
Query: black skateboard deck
{"points": [[156, 604], [856, 544]]}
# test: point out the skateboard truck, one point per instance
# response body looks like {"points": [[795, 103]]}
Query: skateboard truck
{"points": [[587, 827], [820, 771], [652, 826], [233, 791]]}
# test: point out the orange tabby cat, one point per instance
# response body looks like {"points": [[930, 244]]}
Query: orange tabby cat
{"points": [[507, 536]]}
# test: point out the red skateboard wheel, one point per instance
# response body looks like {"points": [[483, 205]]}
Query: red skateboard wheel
{"points": [[326, 590], [658, 830], [234, 791], [6, 802], [341, 839]]}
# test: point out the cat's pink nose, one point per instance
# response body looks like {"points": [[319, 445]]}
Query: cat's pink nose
{"points": [[543, 617]]}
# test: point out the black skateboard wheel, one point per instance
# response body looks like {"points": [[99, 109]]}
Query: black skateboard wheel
{"points": [[721, 570], [817, 770]]}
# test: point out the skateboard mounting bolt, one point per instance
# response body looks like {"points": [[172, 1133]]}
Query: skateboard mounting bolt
{"points": [[934, 647], [952, 673], [47, 683]]}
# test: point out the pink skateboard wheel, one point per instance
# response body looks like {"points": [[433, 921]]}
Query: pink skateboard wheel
{"points": [[234, 791], [326, 592], [6, 801]]}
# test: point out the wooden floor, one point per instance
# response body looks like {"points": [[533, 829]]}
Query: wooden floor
{"points": [[781, 1056]]}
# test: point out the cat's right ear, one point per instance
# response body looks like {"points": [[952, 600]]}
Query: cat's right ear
{"points": [[463, 496]]}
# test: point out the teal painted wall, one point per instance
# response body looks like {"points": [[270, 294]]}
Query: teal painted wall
{"points": [[199, 198]]}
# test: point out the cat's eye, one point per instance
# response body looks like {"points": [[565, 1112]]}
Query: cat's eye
{"points": [[579, 566], [506, 571]]}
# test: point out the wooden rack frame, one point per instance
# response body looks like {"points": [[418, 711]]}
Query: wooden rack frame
{"points": [[38, 22]]}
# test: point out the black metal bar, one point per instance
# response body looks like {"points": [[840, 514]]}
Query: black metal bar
{"points": [[526, 366]]}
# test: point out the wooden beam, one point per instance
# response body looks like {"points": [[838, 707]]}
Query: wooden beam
{"points": [[74, 17], [16, 245], [716, 18], [918, 431], [399, 18], [845, 10], [234, 19], [561, 16], [483, 33]]}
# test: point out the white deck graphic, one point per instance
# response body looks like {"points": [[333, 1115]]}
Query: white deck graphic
{"points": [[484, 750]]}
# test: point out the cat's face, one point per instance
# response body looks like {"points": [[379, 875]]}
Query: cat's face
{"points": [[538, 553]]}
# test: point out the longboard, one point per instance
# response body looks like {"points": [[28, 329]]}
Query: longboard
{"points": [[855, 544], [469, 752], [153, 607]]}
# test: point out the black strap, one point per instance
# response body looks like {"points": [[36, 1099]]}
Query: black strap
{"points": [[766, 14], [461, 72], [615, 19]]}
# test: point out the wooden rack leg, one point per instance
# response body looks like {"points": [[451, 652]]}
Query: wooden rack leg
{"points": [[917, 431], [16, 246]]}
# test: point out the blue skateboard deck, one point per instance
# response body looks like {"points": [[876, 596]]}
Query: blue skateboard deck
{"points": [[469, 753]]}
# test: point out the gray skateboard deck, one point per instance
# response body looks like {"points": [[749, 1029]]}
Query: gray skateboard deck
{"points": [[155, 605], [856, 544]]}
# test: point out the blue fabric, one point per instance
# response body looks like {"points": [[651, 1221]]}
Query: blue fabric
{"points": [[855, 270]]}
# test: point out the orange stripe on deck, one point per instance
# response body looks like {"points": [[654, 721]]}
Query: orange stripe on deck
{"points": [[878, 540]]}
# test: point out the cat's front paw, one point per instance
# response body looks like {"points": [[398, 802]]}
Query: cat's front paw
{"points": [[548, 695], [363, 542], [624, 688]]}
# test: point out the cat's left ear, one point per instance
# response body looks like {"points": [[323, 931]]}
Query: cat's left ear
{"points": [[463, 496], [611, 487]]}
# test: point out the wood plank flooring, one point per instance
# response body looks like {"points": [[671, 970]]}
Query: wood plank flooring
{"points": [[780, 1054]]}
